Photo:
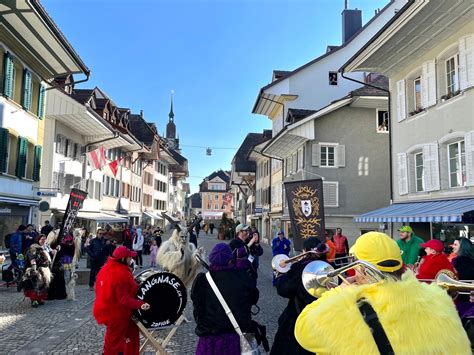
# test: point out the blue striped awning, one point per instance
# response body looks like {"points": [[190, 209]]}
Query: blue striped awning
{"points": [[430, 211]]}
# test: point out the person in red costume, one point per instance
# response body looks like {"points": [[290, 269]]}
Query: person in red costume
{"points": [[115, 300], [434, 261]]}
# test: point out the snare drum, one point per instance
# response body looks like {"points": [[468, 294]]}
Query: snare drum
{"points": [[167, 297]]}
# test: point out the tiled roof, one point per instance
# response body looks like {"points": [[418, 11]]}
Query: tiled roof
{"points": [[141, 130], [240, 161], [379, 81], [296, 114]]}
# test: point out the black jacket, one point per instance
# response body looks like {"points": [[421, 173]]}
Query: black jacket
{"points": [[464, 266], [236, 286], [291, 286], [97, 251]]}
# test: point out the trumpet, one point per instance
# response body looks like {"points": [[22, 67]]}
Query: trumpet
{"points": [[281, 263]]}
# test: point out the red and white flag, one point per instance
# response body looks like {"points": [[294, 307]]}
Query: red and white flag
{"points": [[97, 158], [114, 166]]}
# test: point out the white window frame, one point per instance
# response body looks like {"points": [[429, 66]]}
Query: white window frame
{"points": [[456, 73], [327, 145], [377, 121], [417, 178], [461, 155], [420, 105]]}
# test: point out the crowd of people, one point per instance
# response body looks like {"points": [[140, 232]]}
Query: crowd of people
{"points": [[401, 311]]}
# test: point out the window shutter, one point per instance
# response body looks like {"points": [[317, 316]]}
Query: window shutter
{"points": [[428, 84], [27, 89], [466, 62], [402, 174], [9, 77], [41, 101], [22, 156], [469, 148], [341, 156], [331, 193], [431, 167], [294, 163], [401, 102], [4, 141], [37, 163], [315, 155]]}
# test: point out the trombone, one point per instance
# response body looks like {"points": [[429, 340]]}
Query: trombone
{"points": [[319, 276], [281, 263], [447, 279]]}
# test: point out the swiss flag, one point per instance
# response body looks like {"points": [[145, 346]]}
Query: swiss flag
{"points": [[114, 166], [97, 158]]}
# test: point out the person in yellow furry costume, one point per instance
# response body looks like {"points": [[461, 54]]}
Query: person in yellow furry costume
{"points": [[177, 256], [418, 318]]}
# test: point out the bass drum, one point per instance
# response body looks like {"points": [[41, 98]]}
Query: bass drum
{"points": [[166, 295]]}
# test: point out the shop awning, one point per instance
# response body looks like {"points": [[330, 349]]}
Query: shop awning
{"points": [[101, 217], [152, 215], [20, 201], [430, 211]]}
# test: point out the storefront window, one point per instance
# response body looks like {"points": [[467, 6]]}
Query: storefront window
{"points": [[448, 232]]}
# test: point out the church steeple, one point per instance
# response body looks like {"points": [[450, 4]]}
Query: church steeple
{"points": [[171, 114], [171, 127]]}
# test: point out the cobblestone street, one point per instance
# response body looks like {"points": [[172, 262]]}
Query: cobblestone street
{"points": [[67, 327]]}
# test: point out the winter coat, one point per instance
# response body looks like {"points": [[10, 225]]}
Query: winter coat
{"points": [[410, 250], [138, 242], [97, 250], [237, 288], [115, 293], [16, 243], [241, 254], [290, 286], [431, 265], [464, 267], [281, 246], [418, 318]]}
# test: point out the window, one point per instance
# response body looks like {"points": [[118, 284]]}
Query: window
{"points": [[216, 197], [327, 156], [331, 193], [332, 78], [419, 180], [216, 206], [452, 79], [457, 164], [382, 121], [417, 93]]}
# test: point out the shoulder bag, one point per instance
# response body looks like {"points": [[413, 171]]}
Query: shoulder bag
{"points": [[248, 343]]}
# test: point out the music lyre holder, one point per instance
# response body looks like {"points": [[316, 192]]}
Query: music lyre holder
{"points": [[149, 335]]}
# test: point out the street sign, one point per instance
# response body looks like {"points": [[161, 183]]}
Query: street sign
{"points": [[47, 193]]}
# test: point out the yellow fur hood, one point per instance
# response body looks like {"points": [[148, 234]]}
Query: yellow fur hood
{"points": [[418, 319]]}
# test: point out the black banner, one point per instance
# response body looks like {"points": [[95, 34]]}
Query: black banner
{"points": [[76, 199], [306, 209]]}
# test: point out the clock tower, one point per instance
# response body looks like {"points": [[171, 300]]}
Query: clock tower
{"points": [[172, 141]]}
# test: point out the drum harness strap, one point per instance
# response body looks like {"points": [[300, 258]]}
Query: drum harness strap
{"points": [[372, 320]]}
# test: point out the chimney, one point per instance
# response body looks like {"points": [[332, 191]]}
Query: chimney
{"points": [[141, 113], [351, 23]]}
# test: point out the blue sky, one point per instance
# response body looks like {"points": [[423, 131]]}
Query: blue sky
{"points": [[214, 54]]}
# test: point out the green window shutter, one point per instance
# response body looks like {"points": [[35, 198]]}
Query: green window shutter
{"points": [[4, 140], [21, 157], [37, 163], [42, 92], [27, 89], [9, 76]]}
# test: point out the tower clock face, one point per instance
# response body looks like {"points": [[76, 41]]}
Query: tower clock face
{"points": [[171, 144]]}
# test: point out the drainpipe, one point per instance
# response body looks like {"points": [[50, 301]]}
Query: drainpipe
{"points": [[389, 133]]}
